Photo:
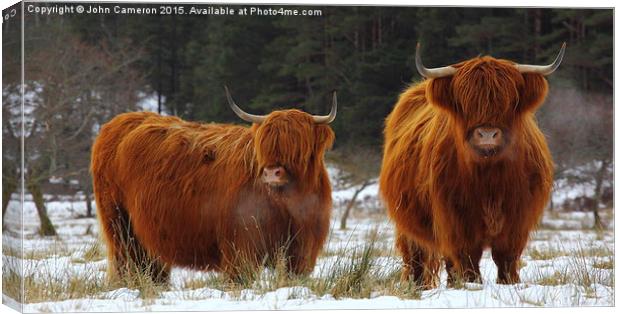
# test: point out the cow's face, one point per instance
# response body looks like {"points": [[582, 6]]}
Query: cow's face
{"points": [[287, 143], [487, 99]]}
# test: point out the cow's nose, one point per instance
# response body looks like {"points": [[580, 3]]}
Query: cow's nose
{"points": [[488, 136], [275, 174]]}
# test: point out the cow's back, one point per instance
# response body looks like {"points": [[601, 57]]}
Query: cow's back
{"points": [[403, 181], [177, 181], [105, 149]]}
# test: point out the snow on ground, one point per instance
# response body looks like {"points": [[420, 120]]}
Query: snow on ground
{"points": [[565, 264], [564, 189]]}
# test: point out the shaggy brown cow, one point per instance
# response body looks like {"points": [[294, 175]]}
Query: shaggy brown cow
{"points": [[212, 196], [466, 168]]}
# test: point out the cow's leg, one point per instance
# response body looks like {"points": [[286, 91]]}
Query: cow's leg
{"points": [[160, 272], [240, 260], [507, 267], [126, 256], [506, 253], [452, 273], [112, 222], [303, 248], [141, 264], [466, 266], [132, 260], [230, 265], [418, 264], [301, 258]]}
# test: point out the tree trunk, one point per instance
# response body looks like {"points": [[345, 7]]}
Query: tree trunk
{"points": [[89, 206], [598, 222], [551, 204], [47, 228], [598, 191], [380, 35], [159, 66], [173, 68], [537, 33], [9, 186], [350, 204]]}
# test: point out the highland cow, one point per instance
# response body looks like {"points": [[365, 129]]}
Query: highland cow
{"points": [[212, 196], [466, 167]]}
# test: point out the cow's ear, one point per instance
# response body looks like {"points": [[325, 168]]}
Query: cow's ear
{"points": [[439, 93], [324, 137], [534, 91]]}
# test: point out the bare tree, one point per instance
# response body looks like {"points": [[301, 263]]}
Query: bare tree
{"points": [[358, 169], [10, 148], [580, 132], [66, 101], [11, 100]]}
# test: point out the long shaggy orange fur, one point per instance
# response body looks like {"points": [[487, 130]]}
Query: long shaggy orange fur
{"points": [[171, 192], [444, 200]]}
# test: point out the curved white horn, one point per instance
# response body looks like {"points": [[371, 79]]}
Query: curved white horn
{"points": [[434, 72], [332, 113], [543, 69], [242, 114]]}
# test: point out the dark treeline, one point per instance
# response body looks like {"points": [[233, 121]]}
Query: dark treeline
{"points": [[366, 53]]}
